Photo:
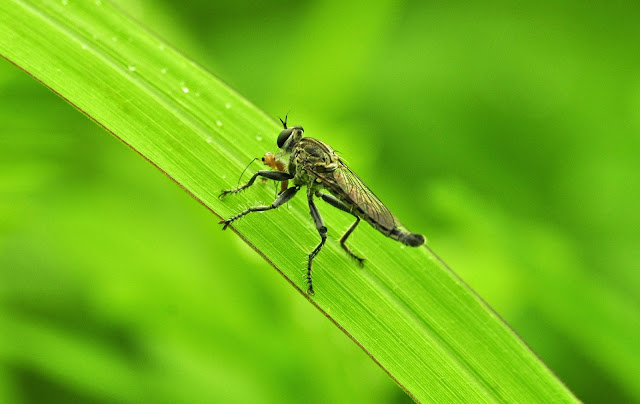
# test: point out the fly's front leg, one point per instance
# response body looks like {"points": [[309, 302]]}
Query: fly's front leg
{"points": [[335, 202], [322, 230], [272, 175], [280, 200]]}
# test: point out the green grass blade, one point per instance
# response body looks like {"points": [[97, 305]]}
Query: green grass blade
{"points": [[406, 309]]}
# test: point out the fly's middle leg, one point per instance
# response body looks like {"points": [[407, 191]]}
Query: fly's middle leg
{"points": [[272, 175], [335, 202], [322, 230], [280, 200]]}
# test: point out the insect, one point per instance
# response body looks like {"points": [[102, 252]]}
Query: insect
{"points": [[316, 165], [272, 161]]}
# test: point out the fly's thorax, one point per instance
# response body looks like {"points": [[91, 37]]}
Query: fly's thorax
{"points": [[310, 158], [304, 177], [312, 154]]}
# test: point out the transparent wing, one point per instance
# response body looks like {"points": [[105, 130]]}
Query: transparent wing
{"points": [[361, 196]]}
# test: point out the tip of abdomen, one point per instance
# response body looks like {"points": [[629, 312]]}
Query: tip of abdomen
{"points": [[413, 240], [406, 238]]}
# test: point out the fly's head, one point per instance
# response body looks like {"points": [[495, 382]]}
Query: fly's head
{"points": [[289, 136]]}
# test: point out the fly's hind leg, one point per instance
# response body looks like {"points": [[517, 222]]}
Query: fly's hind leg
{"points": [[333, 201], [280, 200], [322, 230]]}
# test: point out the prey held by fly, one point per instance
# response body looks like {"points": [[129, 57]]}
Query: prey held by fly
{"points": [[316, 165]]}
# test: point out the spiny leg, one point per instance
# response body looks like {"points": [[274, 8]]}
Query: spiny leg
{"points": [[343, 240], [335, 202], [272, 175], [280, 200], [322, 230]]}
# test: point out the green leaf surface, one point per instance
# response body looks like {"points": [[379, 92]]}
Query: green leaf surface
{"points": [[405, 308]]}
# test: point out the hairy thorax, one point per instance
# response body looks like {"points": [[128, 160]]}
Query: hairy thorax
{"points": [[309, 158]]}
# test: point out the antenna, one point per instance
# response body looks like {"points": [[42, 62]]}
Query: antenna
{"points": [[284, 123]]}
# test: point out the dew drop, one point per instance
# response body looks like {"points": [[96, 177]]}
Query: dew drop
{"points": [[98, 2], [227, 105], [259, 138], [132, 68], [185, 90], [161, 47], [218, 123], [65, 2], [163, 70], [209, 139]]}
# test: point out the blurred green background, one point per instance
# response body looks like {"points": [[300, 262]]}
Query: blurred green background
{"points": [[509, 134]]}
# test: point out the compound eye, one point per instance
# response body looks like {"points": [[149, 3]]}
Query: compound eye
{"points": [[284, 136]]}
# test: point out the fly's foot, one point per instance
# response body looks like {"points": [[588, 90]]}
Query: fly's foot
{"points": [[230, 220], [227, 191], [310, 291], [226, 223], [352, 255]]}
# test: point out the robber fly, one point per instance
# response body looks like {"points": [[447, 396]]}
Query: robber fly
{"points": [[315, 165]]}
